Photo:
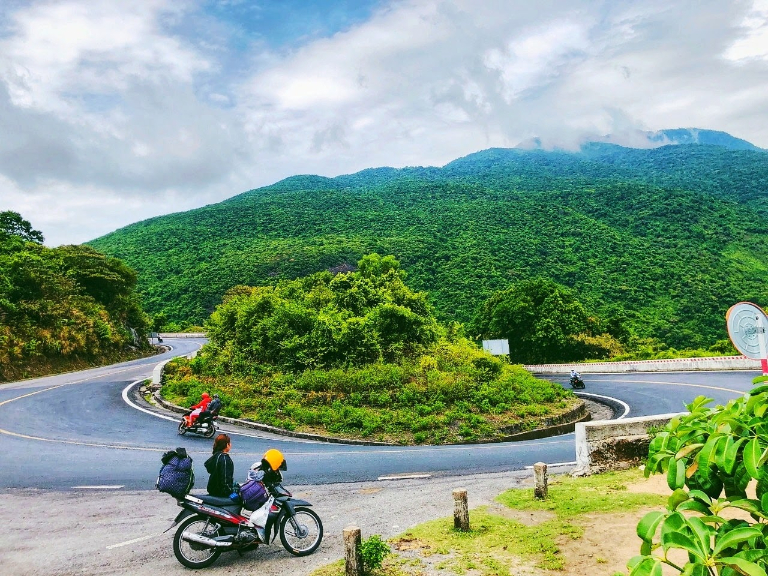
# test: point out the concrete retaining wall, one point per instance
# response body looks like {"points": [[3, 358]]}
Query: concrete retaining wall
{"points": [[183, 335], [614, 444], [714, 363]]}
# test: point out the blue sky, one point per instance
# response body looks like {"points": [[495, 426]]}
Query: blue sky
{"points": [[287, 23], [113, 112]]}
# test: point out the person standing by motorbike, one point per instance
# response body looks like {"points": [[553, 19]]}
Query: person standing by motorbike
{"points": [[221, 468]]}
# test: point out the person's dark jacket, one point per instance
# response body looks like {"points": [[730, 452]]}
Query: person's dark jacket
{"points": [[214, 406], [222, 471]]}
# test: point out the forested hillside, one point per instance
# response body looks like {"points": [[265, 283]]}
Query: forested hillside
{"points": [[63, 308], [664, 239]]}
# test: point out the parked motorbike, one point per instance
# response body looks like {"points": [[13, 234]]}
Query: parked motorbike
{"points": [[577, 383], [204, 426], [212, 525]]}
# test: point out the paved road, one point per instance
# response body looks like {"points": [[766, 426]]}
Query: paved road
{"points": [[74, 430]]}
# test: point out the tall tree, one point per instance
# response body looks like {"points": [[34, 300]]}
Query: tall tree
{"points": [[12, 224], [543, 321]]}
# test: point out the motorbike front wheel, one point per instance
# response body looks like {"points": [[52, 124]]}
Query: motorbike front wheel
{"points": [[192, 554], [301, 534], [182, 428]]}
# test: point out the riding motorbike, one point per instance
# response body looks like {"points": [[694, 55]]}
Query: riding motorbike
{"points": [[577, 383], [203, 425], [212, 525]]}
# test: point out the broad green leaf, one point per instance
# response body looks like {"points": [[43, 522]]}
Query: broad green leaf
{"points": [[758, 390], [679, 540], [706, 480], [753, 554], [653, 464], [732, 538], [736, 484], [706, 456], [675, 473], [752, 453], [694, 506], [730, 454], [713, 519], [702, 532], [699, 495], [743, 566], [646, 528], [751, 506], [695, 570], [646, 566], [678, 497]]}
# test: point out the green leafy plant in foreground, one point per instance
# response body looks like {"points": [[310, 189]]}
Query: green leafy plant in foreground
{"points": [[710, 456], [373, 550]]}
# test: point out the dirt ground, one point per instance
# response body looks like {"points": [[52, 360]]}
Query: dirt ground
{"points": [[609, 540]]}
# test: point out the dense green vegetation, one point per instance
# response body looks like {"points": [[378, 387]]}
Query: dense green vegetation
{"points": [[544, 322], [661, 241], [62, 308], [358, 354], [715, 463]]}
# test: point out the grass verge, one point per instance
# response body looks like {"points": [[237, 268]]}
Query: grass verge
{"points": [[503, 537]]}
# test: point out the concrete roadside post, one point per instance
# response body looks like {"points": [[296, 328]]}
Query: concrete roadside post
{"points": [[540, 489], [354, 562], [460, 510]]}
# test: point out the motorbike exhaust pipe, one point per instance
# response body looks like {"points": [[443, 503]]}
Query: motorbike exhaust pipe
{"points": [[205, 541]]}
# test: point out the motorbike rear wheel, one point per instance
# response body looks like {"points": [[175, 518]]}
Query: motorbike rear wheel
{"points": [[192, 554], [210, 431], [302, 534]]}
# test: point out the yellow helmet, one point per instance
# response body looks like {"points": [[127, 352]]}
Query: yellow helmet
{"points": [[275, 460]]}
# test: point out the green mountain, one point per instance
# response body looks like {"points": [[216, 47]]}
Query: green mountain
{"points": [[666, 238]]}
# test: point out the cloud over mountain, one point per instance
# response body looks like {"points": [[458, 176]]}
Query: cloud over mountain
{"points": [[132, 110]]}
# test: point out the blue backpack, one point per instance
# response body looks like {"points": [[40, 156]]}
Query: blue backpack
{"points": [[176, 475]]}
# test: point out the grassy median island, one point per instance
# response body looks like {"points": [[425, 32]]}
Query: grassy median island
{"points": [[521, 535], [467, 399], [360, 355]]}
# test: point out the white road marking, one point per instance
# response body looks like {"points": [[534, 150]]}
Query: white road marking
{"points": [[404, 477], [134, 405], [624, 404], [100, 487], [134, 541], [265, 436]]}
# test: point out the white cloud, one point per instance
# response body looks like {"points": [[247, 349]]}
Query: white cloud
{"points": [[753, 43], [112, 106]]}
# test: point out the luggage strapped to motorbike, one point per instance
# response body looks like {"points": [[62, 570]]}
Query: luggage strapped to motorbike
{"points": [[176, 476], [254, 492]]}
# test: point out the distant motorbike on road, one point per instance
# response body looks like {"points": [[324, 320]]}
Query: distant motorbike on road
{"points": [[204, 425], [212, 525], [577, 383]]}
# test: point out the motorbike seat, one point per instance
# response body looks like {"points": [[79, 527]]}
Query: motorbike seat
{"points": [[226, 503], [215, 500]]}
